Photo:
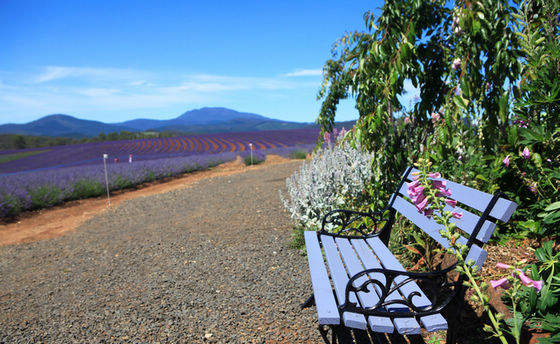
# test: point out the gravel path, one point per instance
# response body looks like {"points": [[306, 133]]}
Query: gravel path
{"points": [[202, 264]]}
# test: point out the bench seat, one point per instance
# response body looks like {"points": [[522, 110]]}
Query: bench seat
{"points": [[347, 257]]}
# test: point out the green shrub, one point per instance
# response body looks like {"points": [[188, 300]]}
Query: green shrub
{"points": [[121, 182], [45, 196], [87, 188], [299, 154], [10, 206], [256, 158]]}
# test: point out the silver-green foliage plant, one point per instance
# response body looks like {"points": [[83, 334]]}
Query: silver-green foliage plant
{"points": [[334, 175]]}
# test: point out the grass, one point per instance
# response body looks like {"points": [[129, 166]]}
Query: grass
{"points": [[299, 154], [16, 156], [255, 160]]}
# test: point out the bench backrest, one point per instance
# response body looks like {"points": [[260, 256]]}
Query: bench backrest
{"points": [[485, 210]]}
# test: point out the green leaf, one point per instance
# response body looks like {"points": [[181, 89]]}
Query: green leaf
{"points": [[460, 102], [553, 206], [465, 88], [552, 218], [481, 177]]}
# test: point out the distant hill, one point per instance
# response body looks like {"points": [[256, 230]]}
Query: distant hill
{"points": [[61, 126], [205, 120], [199, 117]]}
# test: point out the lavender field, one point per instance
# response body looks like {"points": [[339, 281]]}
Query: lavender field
{"points": [[37, 178]]}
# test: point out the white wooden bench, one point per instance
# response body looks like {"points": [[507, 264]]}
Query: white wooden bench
{"points": [[358, 283]]}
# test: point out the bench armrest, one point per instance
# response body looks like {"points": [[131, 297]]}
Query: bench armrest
{"points": [[386, 283], [358, 224]]}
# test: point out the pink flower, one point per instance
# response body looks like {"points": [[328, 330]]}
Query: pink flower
{"points": [[456, 64], [434, 175], [506, 161], [503, 266], [413, 185], [502, 283], [529, 282], [526, 154], [421, 205], [439, 184], [406, 120], [457, 215], [429, 212], [435, 117], [327, 136], [444, 193], [451, 202]]}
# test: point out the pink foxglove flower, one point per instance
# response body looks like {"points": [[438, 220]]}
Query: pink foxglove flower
{"points": [[526, 154], [444, 193], [457, 215], [503, 266], [501, 283], [422, 204], [435, 117], [429, 212], [529, 282], [506, 161], [413, 185], [451, 202], [434, 175], [439, 184]]}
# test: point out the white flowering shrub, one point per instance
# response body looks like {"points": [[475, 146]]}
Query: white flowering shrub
{"points": [[334, 175]]}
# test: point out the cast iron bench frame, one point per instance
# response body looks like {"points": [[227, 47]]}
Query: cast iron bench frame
{"points": [[365, 283]]}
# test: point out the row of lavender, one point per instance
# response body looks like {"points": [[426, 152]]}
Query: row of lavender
{"points": [[149, 149], [39, 189]]}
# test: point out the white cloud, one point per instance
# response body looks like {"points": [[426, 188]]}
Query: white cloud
{"points": [[110, 91], [53, 73], [305, 72], [99, 92]]}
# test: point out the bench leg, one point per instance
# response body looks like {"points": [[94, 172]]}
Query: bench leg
{"points": [[309, 302], [323, 331], [455, 318]]}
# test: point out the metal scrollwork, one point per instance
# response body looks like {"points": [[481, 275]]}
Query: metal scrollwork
{"points": [[436, 282], [353, 223]]}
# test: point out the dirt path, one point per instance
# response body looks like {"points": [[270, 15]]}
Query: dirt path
{"points": [[57, 221]]}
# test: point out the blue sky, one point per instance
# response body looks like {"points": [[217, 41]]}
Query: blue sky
{"points": [[117, 60]]}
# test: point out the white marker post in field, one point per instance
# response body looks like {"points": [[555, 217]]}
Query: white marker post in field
{"points": [[105, 156], [251, 149]]}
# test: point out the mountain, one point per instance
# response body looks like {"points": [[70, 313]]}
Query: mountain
{"points": [[199, 117], [234, 125], [61, 126], [205, 120]]}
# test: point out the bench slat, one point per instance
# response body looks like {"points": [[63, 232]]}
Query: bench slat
{"points": [[432, 228], [429, 226], [433, 322], [403, 325], [369, 299], [478, 255], [503, 209], [340, 278], [327, 309], [468, 222]]}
